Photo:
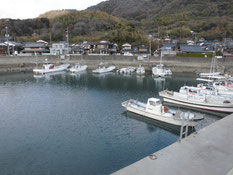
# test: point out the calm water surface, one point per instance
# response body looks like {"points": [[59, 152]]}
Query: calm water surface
{"points": [[74, 124]]}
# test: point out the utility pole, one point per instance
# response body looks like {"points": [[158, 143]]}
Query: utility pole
{"points": [[7, 39], [67, 39], [67, 35], [150, 45]]}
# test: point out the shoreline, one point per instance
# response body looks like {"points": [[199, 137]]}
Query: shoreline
{"points": [[176, 64]]}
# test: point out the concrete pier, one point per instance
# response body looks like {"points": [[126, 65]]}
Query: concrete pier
{"points": [[208, 152]]}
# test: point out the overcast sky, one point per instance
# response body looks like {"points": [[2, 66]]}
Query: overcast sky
{"points": [[23, 9]]}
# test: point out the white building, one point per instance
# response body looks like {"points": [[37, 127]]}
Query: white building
{"points": [[61, 48]]}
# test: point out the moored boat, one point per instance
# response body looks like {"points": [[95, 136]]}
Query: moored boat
{"points": [[126, 70], [160, 71], [103, 69], [50, 68], [195, 99], [210, 74], [78, 68], [140, 70], [154, 110]]}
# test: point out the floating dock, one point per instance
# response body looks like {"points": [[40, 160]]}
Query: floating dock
{"points": [[207, 152]]}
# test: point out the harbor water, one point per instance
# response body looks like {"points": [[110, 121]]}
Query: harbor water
{"points": [[75, 124]]}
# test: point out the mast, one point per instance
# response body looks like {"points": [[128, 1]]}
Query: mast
{"points": [[213, 66], [161, 57]]}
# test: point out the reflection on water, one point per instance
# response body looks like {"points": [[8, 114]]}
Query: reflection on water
{"points": [[73, 124], [49, 76]]}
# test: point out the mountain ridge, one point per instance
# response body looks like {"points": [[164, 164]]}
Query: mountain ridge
{"points": [[129, 21]]}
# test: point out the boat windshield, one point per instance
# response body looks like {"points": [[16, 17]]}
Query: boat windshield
{"points": [[154, 103]]}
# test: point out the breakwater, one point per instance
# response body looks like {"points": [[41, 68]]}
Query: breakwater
{"points": [[176, 64]]}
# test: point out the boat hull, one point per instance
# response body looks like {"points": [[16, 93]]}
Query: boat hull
{"points": [[47, 71], [215, 108], [81, 69], [106, 70], [161, 118]]}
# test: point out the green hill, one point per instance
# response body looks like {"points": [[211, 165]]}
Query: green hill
{"points": [[55, 13], [128, 21], [82, 25], [209, 18]]}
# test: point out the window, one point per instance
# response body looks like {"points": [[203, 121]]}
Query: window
{"points": [[152, 103], [158, 103]]}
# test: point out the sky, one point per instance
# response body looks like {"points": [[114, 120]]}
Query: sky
{"points": [[24, 9]]}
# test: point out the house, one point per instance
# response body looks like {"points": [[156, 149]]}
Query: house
{"points": [[42, 41], [103, 47], [76, 49], [31, 48], [61, 48], [228, 51], [14, 48], [114, 50], [3, 49], [141, 50], [191, 49], [126, 48], [82, 48], [168, 49], [190, 42]]}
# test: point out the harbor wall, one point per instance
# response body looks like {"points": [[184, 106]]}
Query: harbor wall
{"points": [[176, 64], [207, 152]]}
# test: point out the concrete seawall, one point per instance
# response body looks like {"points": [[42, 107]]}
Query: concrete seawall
{"points": [[176, 64], [209, 152]]}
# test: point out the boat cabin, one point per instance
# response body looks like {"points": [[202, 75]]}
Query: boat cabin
{"points": [[154, 105], [48, 66]]}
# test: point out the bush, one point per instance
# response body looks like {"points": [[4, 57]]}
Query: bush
{"points": [[199, 55]]}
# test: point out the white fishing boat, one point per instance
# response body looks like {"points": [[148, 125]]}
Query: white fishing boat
{"points": [[102, 69], [122, 70], [223, 88], [207, 90], [209, 74], [213, 69], [159, 70], [140, 70], [50, 68], [131, 70], [126, 70], [78, 68], [192, 97], [154, 110]]}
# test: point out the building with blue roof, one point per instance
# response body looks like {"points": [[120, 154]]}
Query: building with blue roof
{"points": [[191, 49]]}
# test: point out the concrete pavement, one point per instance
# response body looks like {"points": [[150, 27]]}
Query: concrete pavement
{"points": [[209, 152]]}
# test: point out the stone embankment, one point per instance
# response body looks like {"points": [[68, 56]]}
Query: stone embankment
{"points": [[176, 64]]}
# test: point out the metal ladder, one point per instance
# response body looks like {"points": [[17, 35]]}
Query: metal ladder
{"points": [[184, 126]]}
